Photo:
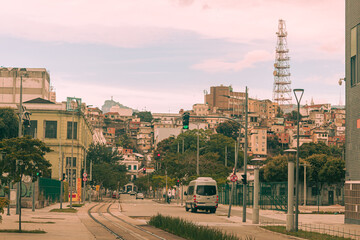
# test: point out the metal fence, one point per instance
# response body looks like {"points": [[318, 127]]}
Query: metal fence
{"points": [[273, 196], [332, 230], [49, 189], [237, 197]]}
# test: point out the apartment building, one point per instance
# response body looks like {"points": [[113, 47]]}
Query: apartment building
{"points": [[352, 74], [35, 84]]}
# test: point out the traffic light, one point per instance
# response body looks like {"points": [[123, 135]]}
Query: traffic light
{"points": [[186, 118], [144, 170], [26, 118], [243, 180], [178, 182], [38, 174], [63, 177]]}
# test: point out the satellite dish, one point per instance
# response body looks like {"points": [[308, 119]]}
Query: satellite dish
{"points": [[340, 81], [275, 73], [275, 64]]}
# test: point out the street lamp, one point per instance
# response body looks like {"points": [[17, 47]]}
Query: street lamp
{"points": [[257, 162], [298, 95], [290, 208], [19, 162], [245, 153]]}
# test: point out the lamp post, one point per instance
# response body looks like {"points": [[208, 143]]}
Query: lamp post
{"points": [[245, 152], [19, 162], [290, 208], [22, 73], [198, 152], [305, 165], [298, 95], [257, 162]]}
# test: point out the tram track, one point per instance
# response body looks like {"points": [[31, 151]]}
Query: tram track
{"points": [[117, 226]]}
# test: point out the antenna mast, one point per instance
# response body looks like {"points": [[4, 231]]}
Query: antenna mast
{"points": [[282, 83]]}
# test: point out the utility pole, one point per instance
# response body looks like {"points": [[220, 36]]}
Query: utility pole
{"points": [[226, 156], [72, 154], [197, 153], [20, 135], [245, 154], [62, 181]]}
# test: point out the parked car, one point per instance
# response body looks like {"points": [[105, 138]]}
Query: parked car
{"points": [[140, 196], [115, 195], [202, 194], [132, 193]]}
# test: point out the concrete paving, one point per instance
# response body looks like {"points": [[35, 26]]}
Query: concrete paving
{"points": [[79, 226], [63, 226]]}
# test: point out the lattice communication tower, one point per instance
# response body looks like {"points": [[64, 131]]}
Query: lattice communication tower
{"points": [[282, 83]]}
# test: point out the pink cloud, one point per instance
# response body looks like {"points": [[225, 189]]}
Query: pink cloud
{"points": [[311, 24], [223, 65]]}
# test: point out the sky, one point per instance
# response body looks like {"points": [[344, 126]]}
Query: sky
{"points": [[161, 55]]}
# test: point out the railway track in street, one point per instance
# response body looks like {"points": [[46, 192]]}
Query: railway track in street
{"points": [[119, 227]]}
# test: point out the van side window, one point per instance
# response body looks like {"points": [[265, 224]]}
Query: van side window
{"points": [[191, 190], [206, 190]]}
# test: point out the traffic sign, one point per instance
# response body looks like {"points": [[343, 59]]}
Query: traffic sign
{"points": [[233, 178], [84, 174], [84, 179]]}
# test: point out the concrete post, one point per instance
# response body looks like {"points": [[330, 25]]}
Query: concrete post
{"points": [[290, 212], [255, 219]]}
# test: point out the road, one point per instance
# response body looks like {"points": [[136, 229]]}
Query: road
{"points": [[142, 210]]}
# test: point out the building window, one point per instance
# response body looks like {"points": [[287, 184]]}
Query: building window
{"points": [[135, 167], [129, 167], [69, 130], [32, 130], [68, 162], [50, 129], [353, 70]]}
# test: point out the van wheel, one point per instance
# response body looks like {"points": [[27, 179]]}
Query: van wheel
{"points": [[213, 210]]}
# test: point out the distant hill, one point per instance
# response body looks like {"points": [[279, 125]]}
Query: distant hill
{"points": [[110, 103]]}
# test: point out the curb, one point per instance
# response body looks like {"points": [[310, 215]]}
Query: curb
{"points": [[281, 234]]}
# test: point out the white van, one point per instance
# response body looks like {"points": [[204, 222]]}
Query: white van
{"points": [[202, 194]]}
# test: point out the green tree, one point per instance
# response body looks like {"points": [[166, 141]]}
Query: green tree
{"points": [[106, 170], [274, 146], [229, 129], [276, 169], [32, 154], [293, 116], [99, 153], [9, 123], [144, 116], [309, 149], [217, 144], [333, 171], [125, 142]]}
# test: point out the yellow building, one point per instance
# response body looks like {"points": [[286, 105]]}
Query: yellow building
{"points": [[52, 123]]}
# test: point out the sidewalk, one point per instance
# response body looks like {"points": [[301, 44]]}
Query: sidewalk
{"points": [[63, 226]]}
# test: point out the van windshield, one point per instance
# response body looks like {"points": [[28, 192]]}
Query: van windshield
{"points": [[206, 190]]}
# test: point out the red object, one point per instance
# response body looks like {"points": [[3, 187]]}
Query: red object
{"points": [[158, 154], [84, 179], [233, 178]]}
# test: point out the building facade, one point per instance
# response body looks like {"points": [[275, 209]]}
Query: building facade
{"points": [[35, 84], [53, 124], [352, 155]]}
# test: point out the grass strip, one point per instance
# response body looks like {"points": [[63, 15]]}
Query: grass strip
{"points": [[76, 205], [189, 230], [65, 210], [36, 222], [22, 231], [304, 234]]}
